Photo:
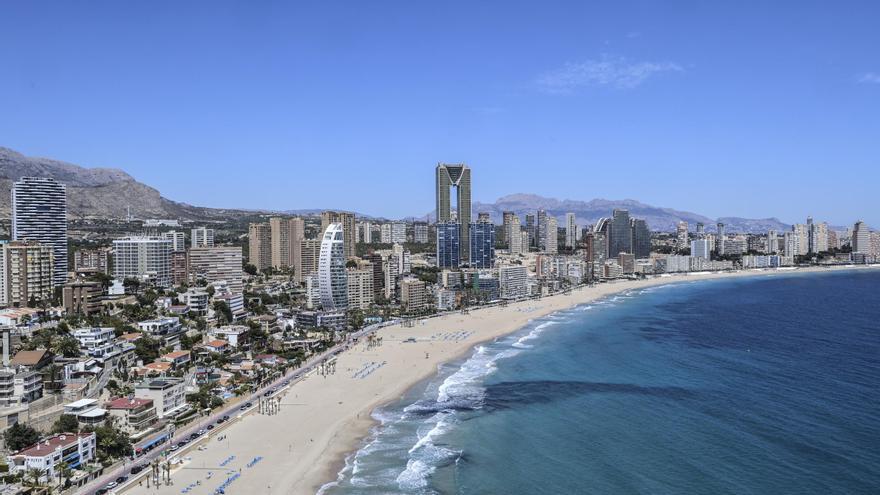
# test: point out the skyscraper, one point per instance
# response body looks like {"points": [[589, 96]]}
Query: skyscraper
{"points": [[571, 231], [531, 230], [260, 245], [700, 229], [541, 230], [719, 240], [700, 249], [811, 236], [551, 235], [297, 234], [279, 229], [620, 235], [458, 176], [772, 242], [513, 232], [506, 218], [39, 213], [641, 238], [448, 245], [26, 273], [861, 238], [332, 278], [681, 235], [482, 247], [201, 237]]}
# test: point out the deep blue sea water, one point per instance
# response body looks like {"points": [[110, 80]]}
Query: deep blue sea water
{"points": [[764, 385]]}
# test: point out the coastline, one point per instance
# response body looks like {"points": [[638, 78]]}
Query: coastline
{"points": [[324, 419]]}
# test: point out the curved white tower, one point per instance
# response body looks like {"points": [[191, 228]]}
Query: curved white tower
{"points": [[332, 278]]}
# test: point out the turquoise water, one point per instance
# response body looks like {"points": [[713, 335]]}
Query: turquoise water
{"points": [[747, 386]]}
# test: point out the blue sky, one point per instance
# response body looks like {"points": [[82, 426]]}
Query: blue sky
{"points": [[750, 109]]}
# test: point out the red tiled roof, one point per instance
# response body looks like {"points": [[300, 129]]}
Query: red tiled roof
{"points": [[48, 445], [176, 354], [217, 343]]}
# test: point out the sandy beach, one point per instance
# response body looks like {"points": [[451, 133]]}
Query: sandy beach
{"points": [[324, 418]]}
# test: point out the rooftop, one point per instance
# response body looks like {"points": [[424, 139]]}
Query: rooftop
{"points": [[126, 403], [52, 443], [28, 358]]}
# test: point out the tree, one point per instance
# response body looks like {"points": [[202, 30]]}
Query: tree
{"points": [[250, 269], [67, 423], [146, 348], [19, 436], [67, 346], [112, 443], [223, 308]]}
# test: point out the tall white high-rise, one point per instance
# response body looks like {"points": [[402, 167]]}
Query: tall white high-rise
{"points": [[571, 231], [332, 277], [201, 237], [551, 235], [39, 213]]}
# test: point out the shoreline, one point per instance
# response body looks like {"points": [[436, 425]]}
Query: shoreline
{"points": [[338, 414]]}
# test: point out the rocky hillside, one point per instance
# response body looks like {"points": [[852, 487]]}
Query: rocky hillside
{"points": [[97, 192]]}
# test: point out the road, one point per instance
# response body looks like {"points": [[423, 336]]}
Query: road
{"points": [[232, 412]]}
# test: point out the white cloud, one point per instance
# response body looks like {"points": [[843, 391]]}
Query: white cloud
{"points": [[616, 72], [869, 78]]}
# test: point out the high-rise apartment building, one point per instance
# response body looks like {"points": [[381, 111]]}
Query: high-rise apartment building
{"points": [[27, 274], [92, 261], [385, 233], [201, 237], [398, 232], [332, 277], [360, 287], [681, 235], [420, 233], [512, 281], [701, 229], [506, 218], [448, 245], [459, 177], [311, 253], [147, 259], [482, 247], [772, 242], [365, 232], [541, 229], [700, 249], [216, 264], [376, 262], [178, 240], [641, 238], [720, 237], [260, 245], [571, 231], [620, 237], [39, 213], [513, 232], [279, 232], [861, 238], [551, 235], [532, 230], [349, 229]]}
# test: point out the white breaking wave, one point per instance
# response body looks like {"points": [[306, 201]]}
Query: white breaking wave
{"points": [[534, 334]]}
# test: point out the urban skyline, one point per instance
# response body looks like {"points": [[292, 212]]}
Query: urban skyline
{"points": [[600, 92]]}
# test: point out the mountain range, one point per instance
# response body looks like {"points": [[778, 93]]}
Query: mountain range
{"points": [[109, 192]]}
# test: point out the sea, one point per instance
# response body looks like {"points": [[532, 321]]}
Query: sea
{"points": [[757, 385]]}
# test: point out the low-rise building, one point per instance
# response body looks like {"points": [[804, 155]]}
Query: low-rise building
{"points": [[45, 456], [168, 325], [334, 320], [86, 411], [235, 335], [168, 394], [136, 416], [178, 359], [97, 342]]}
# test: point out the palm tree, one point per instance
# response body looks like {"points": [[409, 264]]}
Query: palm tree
{"points": [[34, 474], [64, 473]]}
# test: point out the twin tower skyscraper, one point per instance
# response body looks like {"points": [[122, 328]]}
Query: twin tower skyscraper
{"points": [[456, 176]]}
